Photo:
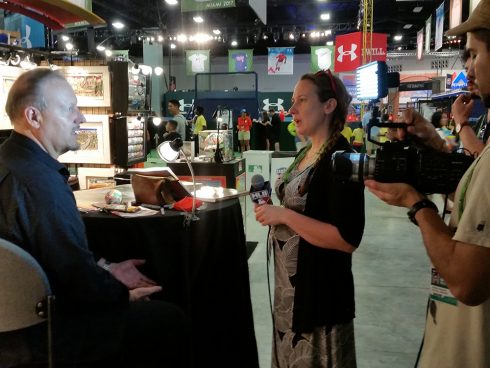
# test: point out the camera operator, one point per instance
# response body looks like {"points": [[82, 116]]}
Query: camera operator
{"points": [[457, 332]]}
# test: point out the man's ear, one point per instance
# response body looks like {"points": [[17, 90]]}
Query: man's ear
{"points": [[329, 106], [33, 117]]}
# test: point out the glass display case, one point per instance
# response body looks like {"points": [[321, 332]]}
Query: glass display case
{"points": [[129, 140], [208, 140]]}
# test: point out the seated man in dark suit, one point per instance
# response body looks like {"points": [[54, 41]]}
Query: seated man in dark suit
{"points": [[102, 310]]}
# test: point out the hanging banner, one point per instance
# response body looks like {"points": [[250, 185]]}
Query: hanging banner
{"points": [[455, 13], [428, 23], [260, 8], [439, 27], [31, 31], [420, 44], [197, 61], [240, 60], [200, 5], [473, 4], [348, 49], [280, 60], [322, 58]]}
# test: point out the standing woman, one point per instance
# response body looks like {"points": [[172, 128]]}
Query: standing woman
{"points": [[313, 234]]}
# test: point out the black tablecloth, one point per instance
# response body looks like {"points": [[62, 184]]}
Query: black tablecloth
{"points": [[203, 269]]}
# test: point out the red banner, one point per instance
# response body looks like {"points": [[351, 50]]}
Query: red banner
{"points": [[348, 50]]}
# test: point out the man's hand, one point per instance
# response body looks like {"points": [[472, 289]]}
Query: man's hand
{"points": [[127, 273], [461, 108], [423, 130], [395, 194], [143, 293]]}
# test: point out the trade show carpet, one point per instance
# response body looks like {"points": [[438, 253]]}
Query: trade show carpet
{"points": [[250, 248]]}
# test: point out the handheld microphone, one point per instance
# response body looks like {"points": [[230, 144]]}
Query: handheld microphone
{"points": [[260, 191]]}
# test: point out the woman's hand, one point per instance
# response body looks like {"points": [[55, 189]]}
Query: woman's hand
{"points": [[270, 215]]}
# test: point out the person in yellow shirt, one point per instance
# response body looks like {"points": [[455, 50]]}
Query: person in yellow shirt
{"points": [[347, 133], [199, 120], [358, 139]]}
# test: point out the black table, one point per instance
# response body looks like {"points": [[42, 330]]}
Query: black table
{"points": [[202, 268]]}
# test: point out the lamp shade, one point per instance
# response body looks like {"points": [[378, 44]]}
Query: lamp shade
{"points": [[170, 150]]}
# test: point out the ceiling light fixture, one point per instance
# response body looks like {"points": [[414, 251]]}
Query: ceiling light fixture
{"points": [[291, 36], [158, 70], [100, 47], [407, 26], [216, 31], [65, 38], [325, 16], [398, 37], [173, 46], [118, 25], [160, 38], [329, 43], [171, 2], [418, 9], [69, 46], [108, 53], [181, 38], [234, 43], [198, 19]]}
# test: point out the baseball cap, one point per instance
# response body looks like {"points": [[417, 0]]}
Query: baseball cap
{"points": [[243, 110], [479, 19]]}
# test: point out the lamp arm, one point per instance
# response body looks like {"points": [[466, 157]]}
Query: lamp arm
{"points": [[193, 213]]}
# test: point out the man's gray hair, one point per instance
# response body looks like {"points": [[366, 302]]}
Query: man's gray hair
{"points": [[27, 91]]}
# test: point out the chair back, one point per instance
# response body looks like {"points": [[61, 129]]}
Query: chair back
{"points": [[24, 288]]}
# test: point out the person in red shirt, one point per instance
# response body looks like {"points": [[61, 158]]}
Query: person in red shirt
{"points": [[282, 115], [243, 126]]}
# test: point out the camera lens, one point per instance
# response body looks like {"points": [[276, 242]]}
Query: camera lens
{"points": [[352, 166]]}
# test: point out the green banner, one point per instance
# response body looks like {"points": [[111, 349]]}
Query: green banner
{"points": [[199, 5], [322, 58], [240, 60], [197, 61]]}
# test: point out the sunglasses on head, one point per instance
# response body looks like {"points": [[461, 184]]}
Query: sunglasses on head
{"points": [[328, 73]]}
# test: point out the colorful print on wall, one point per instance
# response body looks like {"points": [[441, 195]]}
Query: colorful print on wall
{"points": [[322, 58], [197, 61], [280, 60], [240, 60]]}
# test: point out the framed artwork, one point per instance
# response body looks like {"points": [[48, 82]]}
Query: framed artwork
{"points": [[8, 75], [90, 177], [90, 83], [94, 142]]}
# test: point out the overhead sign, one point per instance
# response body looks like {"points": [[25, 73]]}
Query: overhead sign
{"points": [[200, 5], [348, 50], [197, 61], [240, 60], [415, 86], [458, 80], [428, 23], [420, 44], [260, 8]]}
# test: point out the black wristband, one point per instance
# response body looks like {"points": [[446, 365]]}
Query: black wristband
{"points": [[424, 203]]}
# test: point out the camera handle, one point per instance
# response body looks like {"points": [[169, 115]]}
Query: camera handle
{"points": [[375, 123]]}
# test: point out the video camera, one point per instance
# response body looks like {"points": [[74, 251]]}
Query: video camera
{"points": [[427, 170]]}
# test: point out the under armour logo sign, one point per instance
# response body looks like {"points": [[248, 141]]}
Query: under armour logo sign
{"points": [[278, 105], [184, 106], [351, 52]]}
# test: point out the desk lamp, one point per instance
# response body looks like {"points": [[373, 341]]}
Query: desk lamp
{"points": [[169, 151]]}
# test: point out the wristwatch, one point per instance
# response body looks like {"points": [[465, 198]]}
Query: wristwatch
{"points": [[460, 126], [105, 264], [424, 203]]}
